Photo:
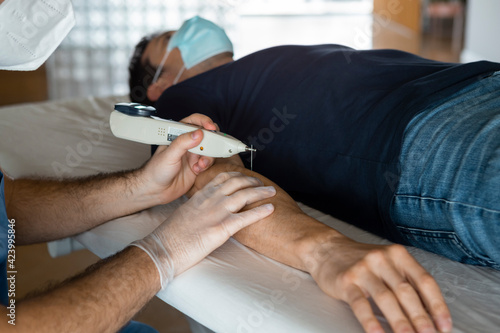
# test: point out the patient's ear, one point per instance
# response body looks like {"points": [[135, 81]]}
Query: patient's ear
{"points": [[156, 89]]}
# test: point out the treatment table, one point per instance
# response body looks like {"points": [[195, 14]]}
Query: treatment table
{"points": [[235, 289]]}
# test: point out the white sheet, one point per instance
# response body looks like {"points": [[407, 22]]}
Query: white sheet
{"points": [[235, 289]]}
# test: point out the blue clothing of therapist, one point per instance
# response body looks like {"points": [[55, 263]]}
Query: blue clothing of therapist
{"points": [[4, 223], [100, 299]]}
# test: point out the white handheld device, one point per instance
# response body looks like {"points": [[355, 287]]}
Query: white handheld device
{"points": [[136, 122]]}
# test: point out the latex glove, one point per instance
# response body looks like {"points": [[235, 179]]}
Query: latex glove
{"points": [[205, 222], [172, 170], [404, 291]]}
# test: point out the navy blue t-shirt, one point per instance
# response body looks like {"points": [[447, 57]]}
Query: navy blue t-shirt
{"points": [[4, 224], [327, 121]]}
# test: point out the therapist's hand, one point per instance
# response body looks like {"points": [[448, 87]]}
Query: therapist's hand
{"points": [[205, 222], [172, 170], [404, 291]]}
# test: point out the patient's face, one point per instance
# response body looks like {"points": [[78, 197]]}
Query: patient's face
{"points": [[157, 48], [154, 53]]}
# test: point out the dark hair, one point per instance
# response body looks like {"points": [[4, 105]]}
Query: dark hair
{"points": [[141, 73]]}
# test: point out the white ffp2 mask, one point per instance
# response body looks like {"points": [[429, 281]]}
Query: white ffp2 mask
{"points": [[31, 30]]}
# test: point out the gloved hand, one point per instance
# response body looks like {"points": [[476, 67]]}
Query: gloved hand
{"points": [[205, 222]]}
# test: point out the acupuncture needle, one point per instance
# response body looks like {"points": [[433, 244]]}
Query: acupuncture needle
{"points": [[251, 157]]}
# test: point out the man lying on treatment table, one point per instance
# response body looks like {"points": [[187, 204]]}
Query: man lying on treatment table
{"points": [[402, 146]]}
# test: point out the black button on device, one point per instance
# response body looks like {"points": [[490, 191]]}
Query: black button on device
{"points": [[135, 109]]}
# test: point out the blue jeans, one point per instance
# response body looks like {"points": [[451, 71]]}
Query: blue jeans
{"points": [[448, 197]]}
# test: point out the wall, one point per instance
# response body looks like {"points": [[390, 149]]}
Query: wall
{"points": [[23, 87], [403, 12], [397, 25], [481, 31]]}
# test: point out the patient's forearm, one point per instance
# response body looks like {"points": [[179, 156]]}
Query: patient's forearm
{"points": [[49, 209], [288, 235], [346, 269]]}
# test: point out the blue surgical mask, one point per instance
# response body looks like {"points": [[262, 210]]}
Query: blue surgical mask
{"points": [[197, 40]]}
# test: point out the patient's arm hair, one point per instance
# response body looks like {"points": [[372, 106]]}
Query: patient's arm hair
{"points": [[288, 235], [102, 299], [343, 268]]}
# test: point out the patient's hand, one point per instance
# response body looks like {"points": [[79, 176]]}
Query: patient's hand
{"points": [[406, 294]]}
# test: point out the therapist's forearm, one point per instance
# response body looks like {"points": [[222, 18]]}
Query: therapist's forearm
{"points": [[48, 209], [103, 299]]}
